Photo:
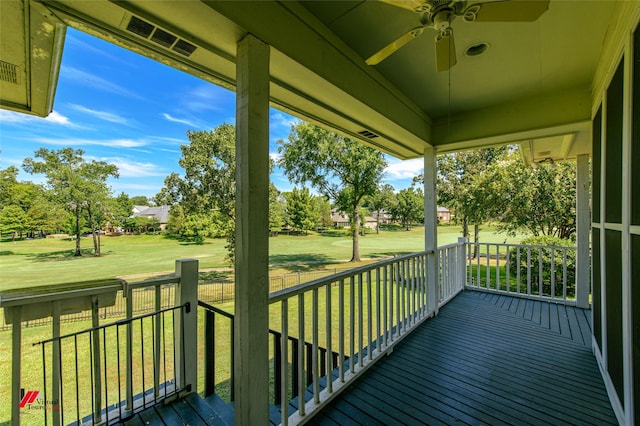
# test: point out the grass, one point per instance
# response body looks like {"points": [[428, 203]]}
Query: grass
{"points": [[30, 263]]}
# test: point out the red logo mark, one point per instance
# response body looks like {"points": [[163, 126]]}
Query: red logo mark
{"points": [[28, 398]]}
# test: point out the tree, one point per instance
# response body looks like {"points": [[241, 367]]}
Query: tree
{"points": [[383, 199], [300, 212], [209, 181], [277, 210], [540, 200], [139, 200], [322, 211], [456, 172], [46, 216], [120, 208], [76, 184], [335, 166], [409, 207], [13, 220]]}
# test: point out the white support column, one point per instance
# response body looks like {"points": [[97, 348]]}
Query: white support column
{"points": [[430, 229], [187, 326], [251, 358], [583, 226]]}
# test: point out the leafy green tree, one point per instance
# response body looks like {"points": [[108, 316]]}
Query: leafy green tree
{"points": [[209, 163], [383, 199], [409, 207], [209, 181], [46, 216], [75, 183], [13, 220], [140, 200], [322, 211], [277, 210], [176, 220], [456, 172], [120, 208], [335, 166], [300, 211], [538, 200]]}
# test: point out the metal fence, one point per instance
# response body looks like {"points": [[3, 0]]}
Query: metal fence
{"points": [[209, 291]]}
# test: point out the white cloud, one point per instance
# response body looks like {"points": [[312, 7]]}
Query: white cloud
{"points": [[407, 169], [58, 118], [102, 115], [20, 118], [208, 97], [284, 120], [112, 143], [179, 120], [134, 169], [275, 156], [91, 80]]}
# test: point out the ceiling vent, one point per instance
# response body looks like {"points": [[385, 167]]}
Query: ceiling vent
{"points": [[159, 36], [8, 72], [368, 134]]}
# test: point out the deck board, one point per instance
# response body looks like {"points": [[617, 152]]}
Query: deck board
{"points": [[485, 359]]}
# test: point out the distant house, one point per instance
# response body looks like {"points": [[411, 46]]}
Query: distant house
{"points": [[444, 215], [385, 218], [159, 213], [341, 220]]}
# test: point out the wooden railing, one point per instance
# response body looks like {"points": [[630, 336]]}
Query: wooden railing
{"points": [[107, 371], [361, 314], [531, 271]]}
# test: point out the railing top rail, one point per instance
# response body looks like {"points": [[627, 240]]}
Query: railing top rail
{"points": [[521, 245], [153, 282], [214, 309], [317, 283], [20, 297], [57, 292], [448, 246]]}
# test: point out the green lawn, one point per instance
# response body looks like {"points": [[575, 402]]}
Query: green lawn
{"points": [[51, 261]]}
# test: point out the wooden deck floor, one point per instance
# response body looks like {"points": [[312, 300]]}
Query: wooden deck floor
{"points": [[484, 360]]}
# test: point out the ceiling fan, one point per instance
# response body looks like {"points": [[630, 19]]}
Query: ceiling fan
{"points": [[439, 14]]}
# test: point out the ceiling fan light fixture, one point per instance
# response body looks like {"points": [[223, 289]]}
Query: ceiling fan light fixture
{"points": [[476, 49]]}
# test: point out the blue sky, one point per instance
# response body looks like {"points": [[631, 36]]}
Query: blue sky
{"points": [[133, 112]]}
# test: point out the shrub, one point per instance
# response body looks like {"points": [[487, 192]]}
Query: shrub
{"points": [[548, 248]]}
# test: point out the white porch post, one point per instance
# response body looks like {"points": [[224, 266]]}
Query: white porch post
{"points": [[430, 229], [187, 326], [583, 226], [251, 358]]}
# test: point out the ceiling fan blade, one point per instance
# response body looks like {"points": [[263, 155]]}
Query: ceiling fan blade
{"points": [[512, 11], [412, 5], [445, 51], [390, 48]]}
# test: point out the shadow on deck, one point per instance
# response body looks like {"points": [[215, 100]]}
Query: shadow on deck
{"points": [[485, 359]]}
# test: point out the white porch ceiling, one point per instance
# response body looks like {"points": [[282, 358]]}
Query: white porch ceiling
{"points": [[533, 85]]}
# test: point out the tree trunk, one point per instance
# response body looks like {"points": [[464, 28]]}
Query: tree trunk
{"points": [[378, 223], [355, 226], [96, 244], [465, 227], [476, 238], [77, 252]]}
